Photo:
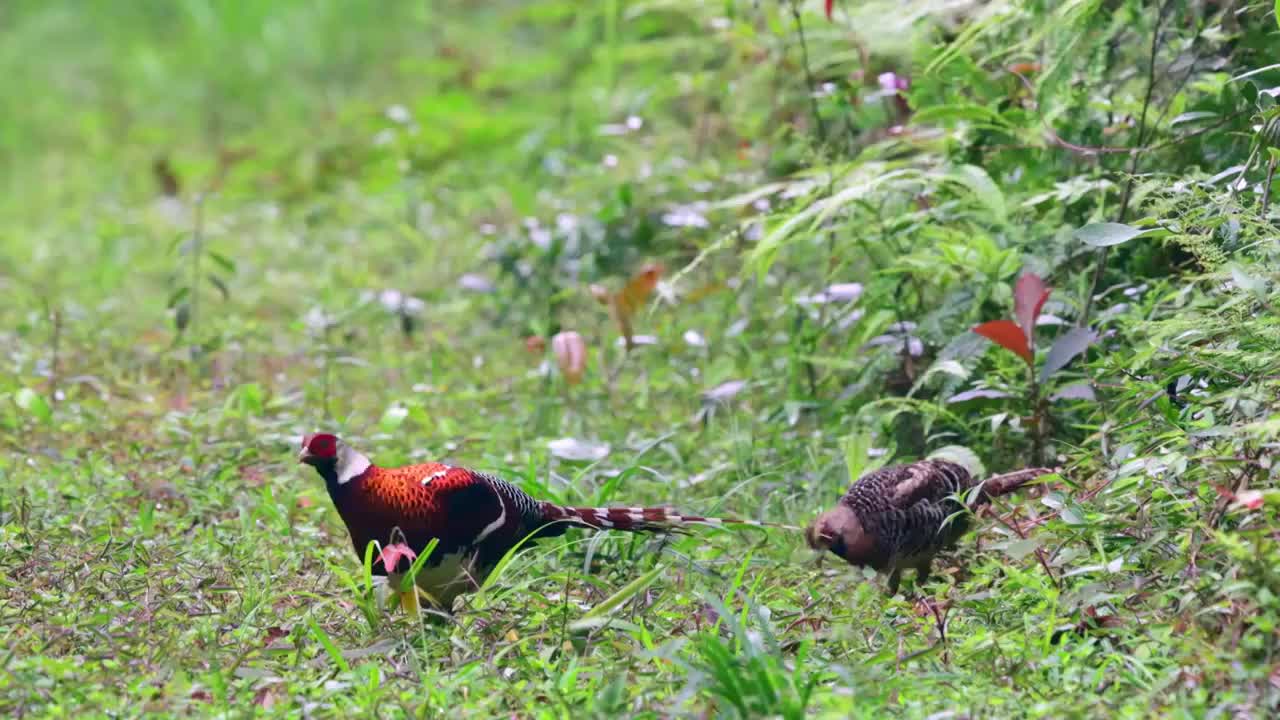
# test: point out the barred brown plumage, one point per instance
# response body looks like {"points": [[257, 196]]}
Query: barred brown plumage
{"points": [[902, 516], [474, 518]]}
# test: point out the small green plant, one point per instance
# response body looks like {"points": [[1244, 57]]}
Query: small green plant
{"points": [[1018, 337]]}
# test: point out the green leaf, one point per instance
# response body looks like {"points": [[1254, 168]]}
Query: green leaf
{"points": [[980, 114], [1106, 234], [1065, 349], [247, 400], [983, 187], [411, 577], [1249, 282], [599, 614], [368, 566], [34, 404], [1187, 117], [862, 183], [963, 456], [182, 317], [1072, 515], [393, 417], [226, 262], [857, 455], [1019, 549], [146, 521], [177, 296], [323, 638], [1269, 132], [222, 287]]}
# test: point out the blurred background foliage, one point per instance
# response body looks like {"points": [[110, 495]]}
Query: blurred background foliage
{"points": [[773, 226]]}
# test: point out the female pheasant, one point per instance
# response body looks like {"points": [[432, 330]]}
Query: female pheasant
{"points": [[475, 518], [901, 516]]}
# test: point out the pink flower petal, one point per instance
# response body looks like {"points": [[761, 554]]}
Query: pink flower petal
{"points": [[1251, 499], [391, 554]]}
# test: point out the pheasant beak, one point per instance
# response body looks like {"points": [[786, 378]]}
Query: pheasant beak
{"points": [[818, 535], [303, 456]]}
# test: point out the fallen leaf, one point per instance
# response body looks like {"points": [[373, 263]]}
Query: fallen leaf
{"points": [[265, 696], [574, 449], [624, 304], [693, 338], [273, 634], [725, 391], [166, 178], [638, 340], [840, 292], [475, 283], [253, 475], [639, 287]]}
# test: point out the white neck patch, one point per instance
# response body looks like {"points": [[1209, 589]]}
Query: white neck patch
{"points": [[351, 464]]}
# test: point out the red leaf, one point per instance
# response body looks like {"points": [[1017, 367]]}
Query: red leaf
{"points": [[1008, 336], [1029, 295], [273, 634], [830, 3]]}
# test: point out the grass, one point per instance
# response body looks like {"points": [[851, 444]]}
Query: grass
{"points": [[164, 555]]}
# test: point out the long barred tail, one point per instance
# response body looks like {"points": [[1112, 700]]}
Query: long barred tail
{"points": [[640, 519], [1008, 482]]}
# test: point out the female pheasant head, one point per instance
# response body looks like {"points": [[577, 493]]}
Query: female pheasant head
{"points": [[839, 531], [337, 462]]}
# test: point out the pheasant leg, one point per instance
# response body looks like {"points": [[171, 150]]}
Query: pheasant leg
{"points": [[922, 571], [895, 576]]}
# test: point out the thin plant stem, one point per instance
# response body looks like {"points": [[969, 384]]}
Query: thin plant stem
{"points": [[1127, 195], [1266, 187], [808, 73], [197, 251]]}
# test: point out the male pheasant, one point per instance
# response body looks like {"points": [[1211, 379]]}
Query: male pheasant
{"points": [[474, 517], [901, 516]]}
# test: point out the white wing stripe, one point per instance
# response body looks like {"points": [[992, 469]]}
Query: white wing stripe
{"points": [[491, 527], [437, 474]]}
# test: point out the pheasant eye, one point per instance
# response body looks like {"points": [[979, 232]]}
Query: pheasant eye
{"points": [[322, 445]]}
